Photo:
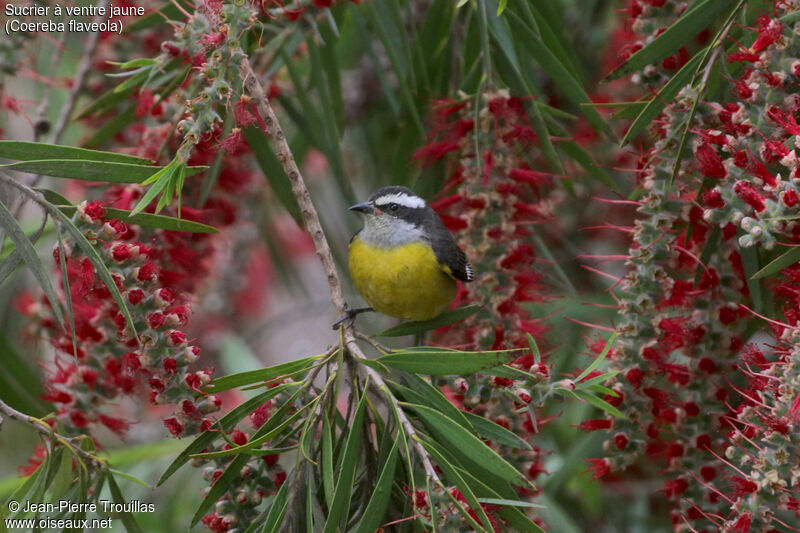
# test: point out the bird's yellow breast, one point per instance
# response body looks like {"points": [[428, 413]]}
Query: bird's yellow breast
{"points": [[403, 281]]}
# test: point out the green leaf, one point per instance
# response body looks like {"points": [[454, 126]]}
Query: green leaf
{"points": [[701, 15], [127, 518], [784, 260], [327, 460], [277, 509], [423, 393], [121, 119], [594, 400], [220, 486], [751, 264], [460, 440], [580, 156], [511, 503], [501, 6], [103, 171], [454, 476], [599, 359], [273, 170], [496, 433], [374, 513], [34, 151], [149, 220], [338, 511], [664, 97], [567, 84], [28, 253], [226, 423], [261, 375], [160, 180], [20, 384], [445, 319], [446, 362], [134, 63]]}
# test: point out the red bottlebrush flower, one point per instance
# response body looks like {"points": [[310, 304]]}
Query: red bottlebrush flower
{"points": [[673, 488], [749, 195], [121, 252], [595, 424], [713, 199], [710, 162], [743, 487], [598, 467], [38, 457], [239, 438], [117, 425], [742, 523], [79, 419], [323, 3], [144, 102], [520, 256], [136, 296], [280, 479], [292, 14], [431, 153], [749, 57], [621, 441], [155, 320], [91, 210], [531, 177], [790, 198], [146, 272], [89, 377], [453, 223], [769, 31], [499, 382], [174, 427], [170, 365], [177, 338], [260, 416], [56, 396], [271, 460]]}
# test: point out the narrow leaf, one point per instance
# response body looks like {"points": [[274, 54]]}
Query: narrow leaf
{"points": [[701, 15], [476, 452], [260, 375], [445, 319], [784, 260], [337, 514], [445, 363], [374, 513], [28, 253], [33, 151]]}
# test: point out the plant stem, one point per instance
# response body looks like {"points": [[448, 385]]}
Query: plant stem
{"points": [[312, 224], [43, 428]]}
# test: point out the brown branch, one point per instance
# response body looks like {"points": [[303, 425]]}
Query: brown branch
{"points": [[285, 156], [312, 224], [44, 429], [77, 85]]}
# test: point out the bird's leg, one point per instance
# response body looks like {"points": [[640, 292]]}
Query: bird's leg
{"points": [[351, 315], [420, 338]]}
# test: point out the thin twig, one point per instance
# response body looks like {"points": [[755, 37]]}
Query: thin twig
{"points": [[43, 428], [41, 125], [311, 221], [77, 85]]}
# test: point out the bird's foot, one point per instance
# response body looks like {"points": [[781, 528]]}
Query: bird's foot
{"points": [[350, 315]]}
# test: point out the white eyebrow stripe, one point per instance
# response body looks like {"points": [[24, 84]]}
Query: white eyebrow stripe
{"points": [[401, 198]]}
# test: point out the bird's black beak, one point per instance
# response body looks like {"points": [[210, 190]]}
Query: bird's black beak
{"points": [[363, 207]]}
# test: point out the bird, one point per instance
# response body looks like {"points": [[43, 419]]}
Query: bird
{"points": [[404, 262]]}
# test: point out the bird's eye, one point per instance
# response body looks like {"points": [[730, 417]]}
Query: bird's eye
{"points": [[394, 207]]}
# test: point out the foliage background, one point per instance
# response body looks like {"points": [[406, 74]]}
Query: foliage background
{"points": [[356, 86]]}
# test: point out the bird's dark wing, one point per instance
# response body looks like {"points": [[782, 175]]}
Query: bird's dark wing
{"points": [[451, 258]]}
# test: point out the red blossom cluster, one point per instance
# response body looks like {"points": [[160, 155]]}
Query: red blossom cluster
{"points": [[708, 400]]}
